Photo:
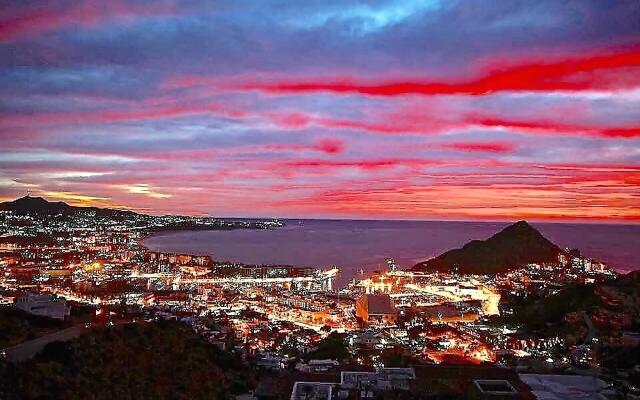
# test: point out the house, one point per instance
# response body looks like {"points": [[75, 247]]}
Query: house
{"points": [[356, 384], [380, 380], [270, 362], [367, 339], [317, 366]]}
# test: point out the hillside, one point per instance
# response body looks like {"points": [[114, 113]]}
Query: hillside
{"points": [[40, 206], [516, 245], [612, 305], [17, 326], [164, 360]]}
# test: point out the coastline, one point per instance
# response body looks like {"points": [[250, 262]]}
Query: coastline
{"points": [[153, 234], [355, 246]]}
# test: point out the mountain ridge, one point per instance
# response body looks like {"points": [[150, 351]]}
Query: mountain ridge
{"points": [[39, 205], [517, 245]]}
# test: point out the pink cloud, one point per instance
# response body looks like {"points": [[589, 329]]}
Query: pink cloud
{"points": [[481, 147], [611, 71], [42, 17]]}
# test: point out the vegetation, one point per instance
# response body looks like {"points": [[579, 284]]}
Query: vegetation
{"points": [[547, 314], [164, 360], [17, 326], [543, 312], [332, 347], [393, 358], [517, 245]]}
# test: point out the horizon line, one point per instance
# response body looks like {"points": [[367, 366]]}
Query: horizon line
{"points": [[318, 218]]}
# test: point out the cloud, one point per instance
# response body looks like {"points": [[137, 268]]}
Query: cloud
{"points": [[143, 189], [76, 198], [481, 147], [325, 108], [25, 19], [597, 72], [554, 127]]}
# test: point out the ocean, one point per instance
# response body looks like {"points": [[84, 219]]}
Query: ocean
{"points": [[355, 245]]}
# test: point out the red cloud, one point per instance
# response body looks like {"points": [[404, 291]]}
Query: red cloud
{"points": [[385, 163], [403, 122], [470, 197], [571, 74], [155, 113], [291, 120], [391, 124], [30, 20], [363, 164], [326, 145], [556, 127], [329, 146], [482, 147]]}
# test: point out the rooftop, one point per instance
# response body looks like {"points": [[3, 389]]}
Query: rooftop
{"points": [[379, 304]]}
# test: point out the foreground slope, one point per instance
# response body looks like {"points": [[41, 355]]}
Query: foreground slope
{"points": [[164, 360], [17, 326], [608, 311], [516, 245]]}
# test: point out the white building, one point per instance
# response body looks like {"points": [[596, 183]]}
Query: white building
{"points": [[43, 304], [317, 366], [382, 379], [566, 387]]}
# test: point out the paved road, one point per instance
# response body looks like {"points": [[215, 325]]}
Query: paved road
{"points": [[589, 323], [28, 349]]}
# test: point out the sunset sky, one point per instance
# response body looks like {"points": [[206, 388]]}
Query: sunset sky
{"points": [[495, 110]]}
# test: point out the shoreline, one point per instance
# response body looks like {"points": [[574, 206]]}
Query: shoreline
{"points": [[174, 231], [341, 276], [620, 269]]}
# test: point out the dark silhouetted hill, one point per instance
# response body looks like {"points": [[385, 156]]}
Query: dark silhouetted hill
{"points": [[164, 360], [516, 245], [40, 206]]}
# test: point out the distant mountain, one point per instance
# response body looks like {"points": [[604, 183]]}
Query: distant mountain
{"points": [[38, 205], [30, 204], [516, 245]]}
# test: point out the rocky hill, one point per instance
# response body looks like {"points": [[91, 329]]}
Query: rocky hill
{"points": [[516, 245]]}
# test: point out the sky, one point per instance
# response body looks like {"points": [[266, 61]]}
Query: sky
{"points": [[463, 110]]}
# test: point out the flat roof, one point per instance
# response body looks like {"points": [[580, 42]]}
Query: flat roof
{"points": [[565, 387], [379, 304]]}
